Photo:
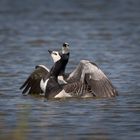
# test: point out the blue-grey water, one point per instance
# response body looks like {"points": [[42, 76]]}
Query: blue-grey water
{"points": [[104, 31]]}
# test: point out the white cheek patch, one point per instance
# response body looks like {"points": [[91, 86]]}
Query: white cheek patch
{"points": [[55, 56]]}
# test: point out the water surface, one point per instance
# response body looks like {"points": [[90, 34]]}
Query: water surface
{"points": [[104, 31]]}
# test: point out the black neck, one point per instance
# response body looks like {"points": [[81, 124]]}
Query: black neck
{"points": [[60, 66], [65, 58], [53, 86], [55, 70]]}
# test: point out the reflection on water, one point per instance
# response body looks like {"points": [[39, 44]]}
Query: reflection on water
{"points": [[106, 32]]}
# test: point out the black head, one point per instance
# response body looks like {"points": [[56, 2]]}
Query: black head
{"points": [[64, 53], [65, 48], [65, 44]]}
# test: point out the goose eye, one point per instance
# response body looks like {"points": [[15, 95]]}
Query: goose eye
{"points": [[55, 53]]}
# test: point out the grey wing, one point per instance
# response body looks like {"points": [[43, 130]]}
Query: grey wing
{"points": [[32, 84], [99, 83], [78, 89], [74, 89], [92, 76], [76, 74]]}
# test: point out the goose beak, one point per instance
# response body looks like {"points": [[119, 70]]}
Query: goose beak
{"points": [[49, 51]]}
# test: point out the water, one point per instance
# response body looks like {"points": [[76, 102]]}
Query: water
{"points": [[104, 31]]}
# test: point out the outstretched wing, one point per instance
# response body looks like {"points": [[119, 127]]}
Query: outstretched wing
{"points": [[90, 74], [32, 84], [78, 89], [76, 74]]}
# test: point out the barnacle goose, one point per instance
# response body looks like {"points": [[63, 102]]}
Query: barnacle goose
{"points": [[87, 80], [32, 83]]}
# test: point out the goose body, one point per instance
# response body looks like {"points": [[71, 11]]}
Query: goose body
{"points": [[87, 80]]}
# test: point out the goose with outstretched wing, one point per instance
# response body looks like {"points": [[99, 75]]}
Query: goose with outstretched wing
{"points": [[92, 79], [87, 80]]}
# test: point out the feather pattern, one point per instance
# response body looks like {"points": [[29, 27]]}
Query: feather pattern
{"points": [[32, 84], [77, 89], [93, 78]]}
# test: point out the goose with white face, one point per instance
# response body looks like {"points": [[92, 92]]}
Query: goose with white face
{"points": [[35, 84], [55, 55]]}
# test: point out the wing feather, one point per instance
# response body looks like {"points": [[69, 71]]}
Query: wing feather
{"points": [[73, 88], [32, 84], [89, 73], [98, 81]]}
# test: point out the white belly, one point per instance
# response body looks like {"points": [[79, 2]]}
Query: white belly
{"points": [[63, 94]]}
